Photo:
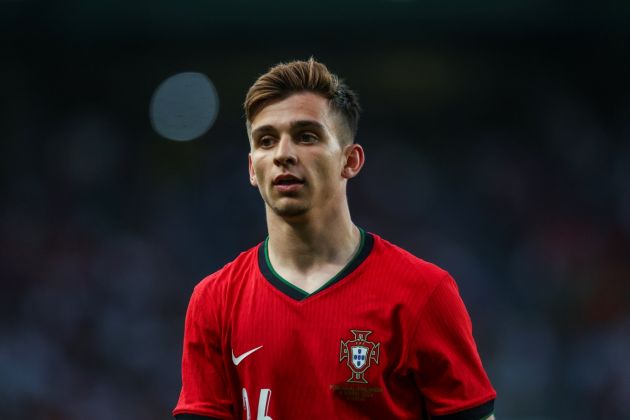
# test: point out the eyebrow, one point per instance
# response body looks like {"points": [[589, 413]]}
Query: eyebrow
{"points": [[307, 124], [294, 125]]}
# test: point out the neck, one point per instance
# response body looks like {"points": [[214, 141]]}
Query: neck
{"points": [[314, 240]]}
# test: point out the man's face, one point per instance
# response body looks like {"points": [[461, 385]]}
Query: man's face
{"points": [[296, 158]]}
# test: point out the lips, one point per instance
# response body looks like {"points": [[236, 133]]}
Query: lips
{"points": [[287, 184], [287, 179]]}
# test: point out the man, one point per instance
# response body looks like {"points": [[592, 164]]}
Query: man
{"points": [[323, 320]]}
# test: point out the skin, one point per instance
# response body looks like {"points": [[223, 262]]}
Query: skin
{"points": [[311, 234]]}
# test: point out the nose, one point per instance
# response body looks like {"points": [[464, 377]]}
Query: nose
{"points": [[285, 152]]}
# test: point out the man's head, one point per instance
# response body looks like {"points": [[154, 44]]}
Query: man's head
{"points": [[301, 122], [284, 80]]}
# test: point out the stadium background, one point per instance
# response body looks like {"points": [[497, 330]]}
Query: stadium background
{"points": [[498, 146]]}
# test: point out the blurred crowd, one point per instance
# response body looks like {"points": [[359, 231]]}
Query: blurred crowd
{"points": [[106, 228]]}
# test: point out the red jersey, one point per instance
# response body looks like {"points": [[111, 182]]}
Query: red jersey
{"points": [[388, 337]]}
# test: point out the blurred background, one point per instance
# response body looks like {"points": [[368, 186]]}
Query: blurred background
{"points": [[497, 137]]}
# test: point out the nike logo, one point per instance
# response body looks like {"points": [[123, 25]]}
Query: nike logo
{"points": [[239, 359]]}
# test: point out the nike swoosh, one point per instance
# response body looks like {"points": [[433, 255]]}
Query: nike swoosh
{"points": [[239, 359]]}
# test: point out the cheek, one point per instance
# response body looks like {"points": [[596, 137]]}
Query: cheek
{"points": [[257, 168], [329, 170]]}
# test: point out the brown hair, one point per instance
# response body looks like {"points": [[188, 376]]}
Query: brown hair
{"points": [[285, 79]]}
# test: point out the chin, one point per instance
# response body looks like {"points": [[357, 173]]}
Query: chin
{"points": [[290, 211], [289, 208]]}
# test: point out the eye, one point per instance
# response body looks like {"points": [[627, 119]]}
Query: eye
{"points": [[307, 137], [266, 141]]}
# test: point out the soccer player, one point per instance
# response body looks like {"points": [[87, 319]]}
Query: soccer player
{"points": [[323, 320]]}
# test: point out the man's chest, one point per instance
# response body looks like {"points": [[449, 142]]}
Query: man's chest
{"points": [[319, 354]]}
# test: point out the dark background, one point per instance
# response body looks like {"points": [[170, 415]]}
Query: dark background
{"points": [[497, 137]]}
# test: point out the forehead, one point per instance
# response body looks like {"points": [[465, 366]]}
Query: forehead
{"points": [[299, 106]]}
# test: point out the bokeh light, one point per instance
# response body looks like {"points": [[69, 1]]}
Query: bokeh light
{"points": [[184, 106]]}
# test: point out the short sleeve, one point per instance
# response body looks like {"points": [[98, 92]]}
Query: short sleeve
{"points": [[445, 361], [204, 386]]}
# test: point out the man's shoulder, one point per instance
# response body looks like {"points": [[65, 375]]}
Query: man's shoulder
{"points": [[399, 276], [407, 273], [404, 264], [234, 271]]}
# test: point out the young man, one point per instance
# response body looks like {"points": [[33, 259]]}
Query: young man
{"points": [[323, 320]]}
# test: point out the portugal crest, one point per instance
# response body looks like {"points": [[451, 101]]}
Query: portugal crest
{"points": [[360, 353]]}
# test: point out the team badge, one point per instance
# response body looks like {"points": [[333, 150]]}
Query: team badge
{"points": [[359, 354]]}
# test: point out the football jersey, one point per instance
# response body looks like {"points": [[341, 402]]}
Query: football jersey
{"points": [[387, 338]]}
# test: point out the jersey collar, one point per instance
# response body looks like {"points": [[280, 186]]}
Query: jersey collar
{"points": [[294, 292]]}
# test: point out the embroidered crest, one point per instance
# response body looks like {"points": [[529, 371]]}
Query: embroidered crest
{"points": [[359, 354]]}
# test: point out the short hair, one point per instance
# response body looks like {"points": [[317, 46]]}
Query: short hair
{"points": [[286, 79]]}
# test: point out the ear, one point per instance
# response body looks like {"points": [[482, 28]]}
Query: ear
{"points": [[252, 174], [355, 158]]}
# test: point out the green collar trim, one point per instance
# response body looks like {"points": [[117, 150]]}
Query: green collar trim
{"points": [[365, 246]]}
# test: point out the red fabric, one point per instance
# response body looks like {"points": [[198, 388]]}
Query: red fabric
{"points": [[420, 351]]}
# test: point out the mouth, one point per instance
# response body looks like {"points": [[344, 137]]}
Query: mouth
{"points": [[287, 180], [287, 183]]}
